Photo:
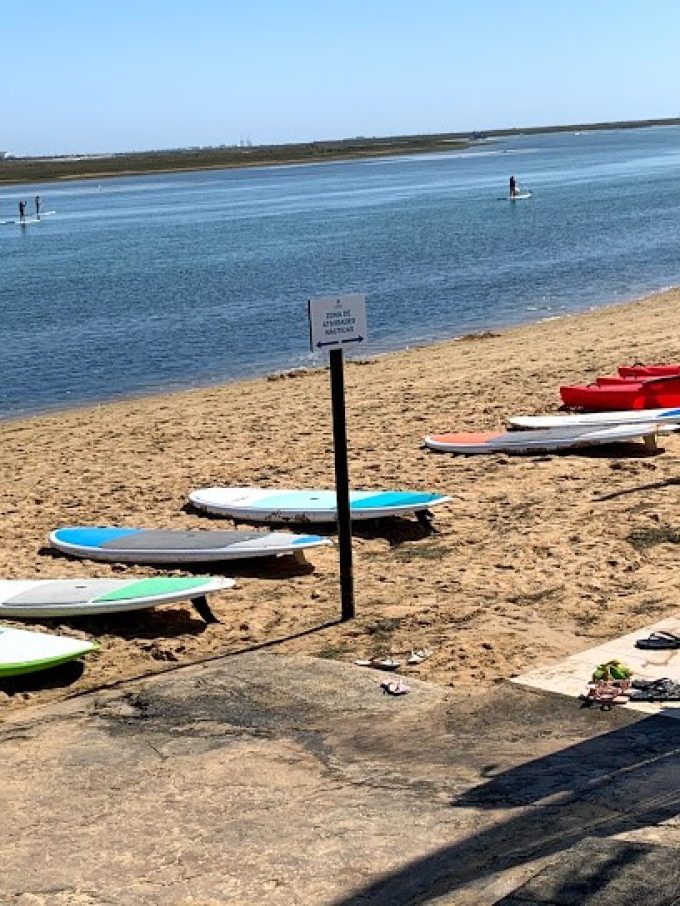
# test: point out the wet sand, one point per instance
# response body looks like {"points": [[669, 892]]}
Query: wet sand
{"points": [[535, 557]]}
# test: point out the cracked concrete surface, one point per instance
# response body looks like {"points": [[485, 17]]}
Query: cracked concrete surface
{"points": [[269, 779]]}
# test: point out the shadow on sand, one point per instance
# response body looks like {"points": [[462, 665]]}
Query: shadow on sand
{"points": [[53, 678], [394, 529]]}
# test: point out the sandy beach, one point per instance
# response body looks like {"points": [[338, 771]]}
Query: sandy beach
{"points": [[535, 557]]}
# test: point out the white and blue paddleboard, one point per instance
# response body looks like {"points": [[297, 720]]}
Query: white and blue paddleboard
{"points": [[135, 545], [27, 652], [91, 597], [272, 505], [598, 419]]}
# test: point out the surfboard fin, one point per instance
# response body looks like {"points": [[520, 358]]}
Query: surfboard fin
{"points": [[203, 609]]}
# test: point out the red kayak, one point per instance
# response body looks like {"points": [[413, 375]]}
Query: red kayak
{"points": [[656, 393], [617, 379], [641, 371]]}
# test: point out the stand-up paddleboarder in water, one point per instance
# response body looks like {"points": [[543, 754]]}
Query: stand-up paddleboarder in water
{"points": [[22, 211], [37, 206], [513, 187]]}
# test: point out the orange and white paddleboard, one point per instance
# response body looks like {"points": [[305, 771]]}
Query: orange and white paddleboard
{"points": [[536, 441]]}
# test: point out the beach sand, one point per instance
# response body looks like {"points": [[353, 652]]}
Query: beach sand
{"points": [[535, 558]]}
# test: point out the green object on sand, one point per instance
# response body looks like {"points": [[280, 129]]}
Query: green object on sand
{"points": [[612, 670]]}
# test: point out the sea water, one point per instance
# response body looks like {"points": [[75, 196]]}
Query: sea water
{"points": [[147, 283]]}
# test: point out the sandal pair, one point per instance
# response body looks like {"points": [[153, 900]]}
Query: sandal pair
{"points": [[660, 690], [607, 693], [419, 655]]}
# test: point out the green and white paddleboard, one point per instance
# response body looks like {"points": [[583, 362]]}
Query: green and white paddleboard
{"points": [[28, 652], [89, 597]]}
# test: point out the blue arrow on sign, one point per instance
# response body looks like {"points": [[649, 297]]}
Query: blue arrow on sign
{"points": [[353, 340]]}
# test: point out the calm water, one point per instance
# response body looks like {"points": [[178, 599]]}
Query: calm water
{"points": [[171, 281]]}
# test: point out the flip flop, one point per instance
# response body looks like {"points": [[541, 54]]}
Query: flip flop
{"points": [[379, 663], [651, 683], [660, 639], [605, 694], [395, 687], [419, 655]]}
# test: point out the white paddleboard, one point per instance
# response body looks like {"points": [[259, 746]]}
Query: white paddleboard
{"points": [[598, 419], [535, 441], [27, 222], [90, 597], [29, 219], [520, 196], [28, 652], [273, 505], [134, 545]]}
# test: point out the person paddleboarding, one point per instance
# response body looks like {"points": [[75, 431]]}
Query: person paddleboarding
{"points": [[513, 187]]}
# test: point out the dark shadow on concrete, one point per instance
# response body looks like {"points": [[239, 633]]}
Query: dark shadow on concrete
{"points": [[606, 872], [592, 878], [620, 781]]}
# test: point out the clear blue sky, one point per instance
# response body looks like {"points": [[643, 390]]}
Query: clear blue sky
{"points": [[98, 75]]}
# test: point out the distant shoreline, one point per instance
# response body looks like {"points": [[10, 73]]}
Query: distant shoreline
{"points": [[16, 170]]}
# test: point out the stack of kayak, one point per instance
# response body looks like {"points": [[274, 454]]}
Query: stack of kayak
{"points": [[635, 387], [634, 404]]}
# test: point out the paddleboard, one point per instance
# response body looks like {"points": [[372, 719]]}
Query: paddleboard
{"points": [[598, 419], [28, 652], [535, 441], [88, 597], [273, 505], [32, 218], [134, 545], [27, 222], [520, 197]]}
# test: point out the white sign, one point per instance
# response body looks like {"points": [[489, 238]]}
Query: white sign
{"points": [[336, 322]]}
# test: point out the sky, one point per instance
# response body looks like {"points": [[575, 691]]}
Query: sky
{"points": [[97, 76]]}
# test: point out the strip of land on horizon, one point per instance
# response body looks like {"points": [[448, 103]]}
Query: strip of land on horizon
{"points": [[100, 166]]}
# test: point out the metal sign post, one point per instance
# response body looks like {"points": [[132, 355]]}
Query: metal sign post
{"points": [[334, 322]]}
